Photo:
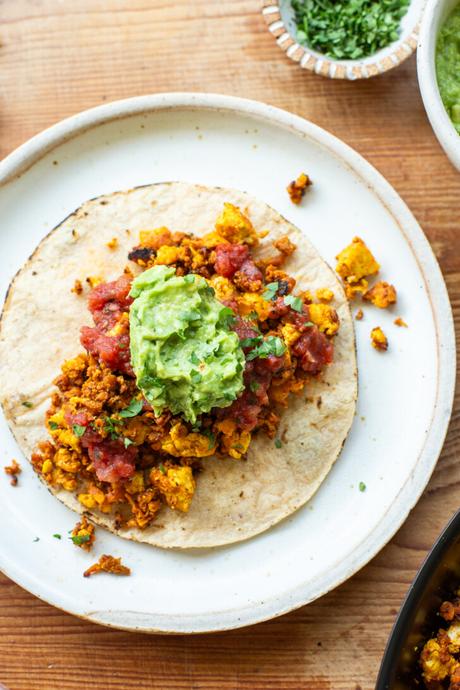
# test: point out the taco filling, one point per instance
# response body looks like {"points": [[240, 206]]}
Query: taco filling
{"points": [[194, 351]]}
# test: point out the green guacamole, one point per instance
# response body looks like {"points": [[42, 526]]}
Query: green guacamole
{"points": [[448, 66], [185, 357]]}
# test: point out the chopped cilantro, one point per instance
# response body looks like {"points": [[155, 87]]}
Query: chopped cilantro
{"points": [[270, 290], [162, 468], [78, 430], [57, 536], [37, 539], [351, 29], [294, 302], [253, 315], [189, 278], [278, 443], [53, 425], [227, 316], [271, 346], [254, 386], [127, 442], [194, 359], [251, 342], [110, 427], [133, 409], [79, 539], [26, 403], [362, 486]]}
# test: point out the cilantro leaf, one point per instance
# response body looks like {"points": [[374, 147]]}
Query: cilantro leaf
{"points": [[162, 468], [251, 342], [78, 430], [26, 403], [272, 345], [227, 316], [79, 539], [278, 443], [362, 486], [270, 291], [53, 425], [133, 409], [254, 385], [57, 536], [127, 442], [294, 302]]}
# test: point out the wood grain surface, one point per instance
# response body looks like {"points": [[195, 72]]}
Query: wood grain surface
{"points": [[58, 57]]}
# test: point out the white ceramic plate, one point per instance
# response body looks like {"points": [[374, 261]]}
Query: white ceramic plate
{"points": [[405, 394]]}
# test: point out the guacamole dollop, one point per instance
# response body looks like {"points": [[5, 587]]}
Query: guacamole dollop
{"points": [[448, 66], [185, 356]]}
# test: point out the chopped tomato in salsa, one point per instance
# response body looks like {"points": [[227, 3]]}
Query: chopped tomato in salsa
{"points": [[111, 460]]}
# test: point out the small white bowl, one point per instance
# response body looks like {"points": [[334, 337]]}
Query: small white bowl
{"points": [[279, 16], [435, 14]]}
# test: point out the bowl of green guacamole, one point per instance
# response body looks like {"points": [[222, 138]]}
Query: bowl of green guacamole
{"points": [[438, 67]]}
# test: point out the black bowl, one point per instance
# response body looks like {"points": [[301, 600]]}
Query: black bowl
{"points": [[437, 580]]}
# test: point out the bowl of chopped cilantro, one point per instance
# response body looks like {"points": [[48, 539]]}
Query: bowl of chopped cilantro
{"points": [[345, 39]]}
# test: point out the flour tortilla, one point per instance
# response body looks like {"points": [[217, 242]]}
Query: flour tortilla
{"points": [[40, 327]]}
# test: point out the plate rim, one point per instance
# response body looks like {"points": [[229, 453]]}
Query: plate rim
{"points": [[26, 155]]}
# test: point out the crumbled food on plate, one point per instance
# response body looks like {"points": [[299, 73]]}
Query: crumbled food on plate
{"points": [[400, 322], [107, 564], [382, 295], [133, 415], [440, 656], [359, 315], [297, 188], [379, 339], [83, 534], [324, 294], [77, 287], [13, 470], [113, 243], [93, 281], [355, 263]]}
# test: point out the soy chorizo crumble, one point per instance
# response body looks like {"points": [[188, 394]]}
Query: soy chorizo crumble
{"points": [[107, 564], [297, 188], [13, 470], [106, 444]]}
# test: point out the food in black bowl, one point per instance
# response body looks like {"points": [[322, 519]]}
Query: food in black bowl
{"points": [[411, 659]]}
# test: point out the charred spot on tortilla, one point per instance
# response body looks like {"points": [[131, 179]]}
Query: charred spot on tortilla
{"points": [[132, 448]]}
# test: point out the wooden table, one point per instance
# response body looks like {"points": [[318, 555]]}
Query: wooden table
{"points": [[58, 57]]}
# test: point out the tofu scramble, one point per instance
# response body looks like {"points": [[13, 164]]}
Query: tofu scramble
{"points": [[109, 446], [440, 656]]}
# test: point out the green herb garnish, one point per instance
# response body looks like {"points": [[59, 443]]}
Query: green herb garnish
{"points": [[26, 403], [211, 437], [253, 316], [270, 291], [227, 316], [349, 29], [362, 486], [254, 386], [127, 442], [78, 430], [294, 302], [79, 539], [162, 468], [133, 409], [57, 536], [251, 342], [53, 425], [271, 346], [110, 427], [278, 443]]}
